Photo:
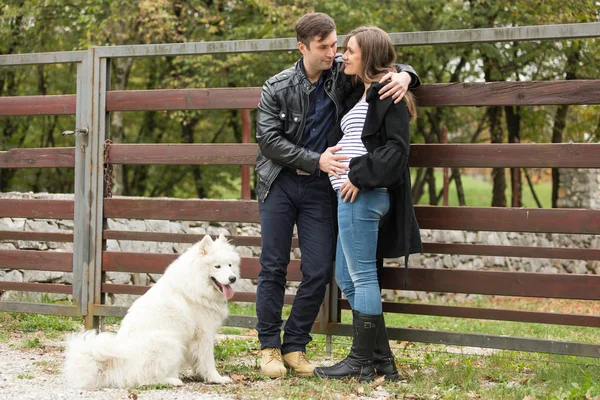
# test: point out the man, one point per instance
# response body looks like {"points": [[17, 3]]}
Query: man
{"points": [[297, 110]]}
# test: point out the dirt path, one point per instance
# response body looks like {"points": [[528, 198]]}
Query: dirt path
{"points": [[35, 373]]}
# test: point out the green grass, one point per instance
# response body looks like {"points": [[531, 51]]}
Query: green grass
{"points": [[478, 192], [428, 371], [23, 322], [32, 343], [431, 371]]}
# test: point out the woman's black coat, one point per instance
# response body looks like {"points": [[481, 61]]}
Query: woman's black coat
{"points": [[386, 138]]}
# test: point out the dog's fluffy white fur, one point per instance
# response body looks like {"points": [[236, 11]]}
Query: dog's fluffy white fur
{"points": [[171, 326]]}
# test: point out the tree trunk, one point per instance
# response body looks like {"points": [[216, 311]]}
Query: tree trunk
{"points": [[187, 132], [431, 187], [460, 192], [560, 117], [498, 178], [513, 123]]}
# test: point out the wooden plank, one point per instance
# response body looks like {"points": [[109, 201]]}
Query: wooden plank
{"points": [[36, 260], [36, 287], [428, 95], [480, 340], [429, 217], [37, 105], [428, 247], [509, 93], [248, 297], [55, 57], [35, 208], [60, 237], [187, 154], [242, 297], [498, 219], [156, 263], [175, 237], [181, 237], [108, 311], [512, 251], [505, 155], [488, 314], [184, 210], [38, 157], [525, 284], [183, 99], [39, 308]]}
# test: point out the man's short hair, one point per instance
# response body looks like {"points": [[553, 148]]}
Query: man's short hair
{"points": [[314, 26]]}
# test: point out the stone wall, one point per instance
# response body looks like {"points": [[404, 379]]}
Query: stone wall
{"points": [[578, 187]]}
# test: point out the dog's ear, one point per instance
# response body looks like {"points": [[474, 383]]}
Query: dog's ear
{"points": [[222, 238], [205, 244]]}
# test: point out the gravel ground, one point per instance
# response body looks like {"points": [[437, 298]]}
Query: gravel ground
{"points": [[35, 374]]}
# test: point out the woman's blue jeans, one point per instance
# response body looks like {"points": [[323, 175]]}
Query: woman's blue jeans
{"points": [[356, 254]]}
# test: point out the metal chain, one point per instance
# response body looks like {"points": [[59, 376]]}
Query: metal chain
{"points": [[108, 170]]}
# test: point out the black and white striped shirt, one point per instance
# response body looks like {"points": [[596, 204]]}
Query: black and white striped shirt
{"points": [[352, 146]]}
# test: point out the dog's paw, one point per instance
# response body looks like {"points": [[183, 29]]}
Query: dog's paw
{"points": [[174, 381], [220, 379]]}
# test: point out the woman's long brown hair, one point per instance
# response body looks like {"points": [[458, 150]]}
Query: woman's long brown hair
{"points": [[378, 57]]}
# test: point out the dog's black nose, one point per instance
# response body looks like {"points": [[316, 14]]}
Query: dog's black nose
{"points": [[232, 279]]}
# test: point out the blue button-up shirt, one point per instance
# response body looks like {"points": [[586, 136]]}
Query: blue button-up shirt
{"points": [[320, 118]]}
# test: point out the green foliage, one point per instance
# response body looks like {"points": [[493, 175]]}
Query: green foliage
{"points": [[53, 25], [32, 343]]}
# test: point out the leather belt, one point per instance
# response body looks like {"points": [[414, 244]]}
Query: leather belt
{"points": [[297, 171]]}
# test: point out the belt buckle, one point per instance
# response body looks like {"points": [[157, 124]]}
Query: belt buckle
{"points": [[300, 172]]}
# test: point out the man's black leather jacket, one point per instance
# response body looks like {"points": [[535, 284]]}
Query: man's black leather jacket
{"points": [[282, 114]]}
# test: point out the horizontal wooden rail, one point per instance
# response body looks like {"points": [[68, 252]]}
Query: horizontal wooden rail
{"points": [[38, 158], [177, 154], [59, 237], [579, 221], [525, 284], [39, 308], [185, 210], [36, 287], [497, 219], [504, 155], [428, 247], [428, 95], [242, 297], [36, 260], [183, 99], [37, 208], [156, 263], [548, 155], [38, 105], [180, 237], [524, 155], [494, 219], [512, 251], [481, 340], [488, 314]]}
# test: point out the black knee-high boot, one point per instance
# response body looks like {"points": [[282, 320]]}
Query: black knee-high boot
{"points": [[359, 363], [383, 358]]}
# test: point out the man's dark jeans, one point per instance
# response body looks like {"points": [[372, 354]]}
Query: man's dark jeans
{"points": [[304, 200]]}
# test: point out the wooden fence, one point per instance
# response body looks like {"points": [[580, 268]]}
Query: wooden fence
{"points": [[89, 261]]}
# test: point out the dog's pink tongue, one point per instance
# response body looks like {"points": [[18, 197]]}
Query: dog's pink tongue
{"points": [[227, 291]]}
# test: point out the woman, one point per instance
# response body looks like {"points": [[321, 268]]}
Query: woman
{"points": [[375, 213]]}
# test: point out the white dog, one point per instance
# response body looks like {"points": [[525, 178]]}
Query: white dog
{"points": [[172, 325]]}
